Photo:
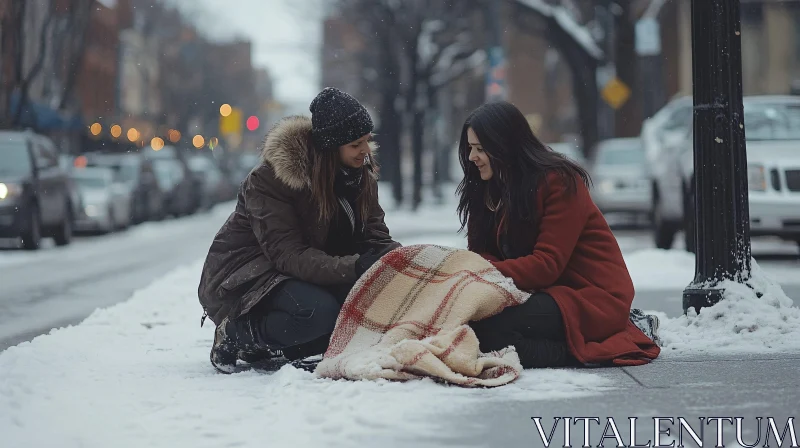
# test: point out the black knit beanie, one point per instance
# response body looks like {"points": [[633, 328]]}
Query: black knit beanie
{"points": [[337, 119]]}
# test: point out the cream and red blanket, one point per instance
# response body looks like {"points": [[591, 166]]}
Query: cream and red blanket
{"points": [[407, 318]]}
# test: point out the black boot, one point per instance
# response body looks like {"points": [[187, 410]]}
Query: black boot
{"points": [[236, 339], [542, 353]]}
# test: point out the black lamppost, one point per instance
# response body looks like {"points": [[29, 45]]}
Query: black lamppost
{"points": [[722, 224]]}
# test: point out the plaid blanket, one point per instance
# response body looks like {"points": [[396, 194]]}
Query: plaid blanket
{"points": [[407, 318]]}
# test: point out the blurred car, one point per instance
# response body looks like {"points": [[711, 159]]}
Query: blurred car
{"points": [[171, 165], [621, 177], [570, 150], [107, 203], [135, 171], [246, 163], [215, 187], [772, 132], [662, 137], [178, 187], [35, 198]]}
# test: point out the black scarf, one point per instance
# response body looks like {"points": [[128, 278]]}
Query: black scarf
{"points": [[347, 184]]}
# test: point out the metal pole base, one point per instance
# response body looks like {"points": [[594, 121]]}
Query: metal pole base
{"points": [[700, 298]]}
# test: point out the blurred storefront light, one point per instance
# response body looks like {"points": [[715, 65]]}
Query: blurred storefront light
{"points": [[174, 135], [133, 134], [116, 131], [198, 141], [225, 110], [96, 128], [252, 123], [157, 143]]}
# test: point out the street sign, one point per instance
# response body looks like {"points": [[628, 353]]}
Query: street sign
{"points": [[232, 124], [615, 93]]}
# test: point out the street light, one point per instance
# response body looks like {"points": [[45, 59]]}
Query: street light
{"points": [[157, 143], [116, 131], [225, 110], [133, 134], [96, 128], [198, 141], [722, 210]]}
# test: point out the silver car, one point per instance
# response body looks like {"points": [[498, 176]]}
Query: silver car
{"points": [[621, 177], [772, 130], [106, 202], [570, 150]]}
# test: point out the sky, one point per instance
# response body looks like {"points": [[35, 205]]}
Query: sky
{"points": [[286, 36]]}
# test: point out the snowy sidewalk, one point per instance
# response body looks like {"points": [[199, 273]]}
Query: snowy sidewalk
{"points": [[137, 375]]}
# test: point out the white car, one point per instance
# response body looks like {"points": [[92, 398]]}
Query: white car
{"points": [[621, 177], [663, 137], [772, 131], [106, 202]]}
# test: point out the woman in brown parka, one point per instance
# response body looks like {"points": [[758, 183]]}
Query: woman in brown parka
{"points": [[307, 225]]}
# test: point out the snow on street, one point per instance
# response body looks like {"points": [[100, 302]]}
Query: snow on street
{"points": [[137, 373]]}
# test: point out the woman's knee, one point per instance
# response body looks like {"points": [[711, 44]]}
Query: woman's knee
{"points": [[308, 304]]}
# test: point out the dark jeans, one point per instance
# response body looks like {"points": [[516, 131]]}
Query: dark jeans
{"points": [[535, 329], [298, 317]]}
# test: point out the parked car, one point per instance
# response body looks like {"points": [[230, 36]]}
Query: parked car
{"points": [[570, 150], [772, 131], [662, 137], [215, 187], [34, 190], [177, 186], [135, 171], [107, 202], [621, 177], [186, 194]]}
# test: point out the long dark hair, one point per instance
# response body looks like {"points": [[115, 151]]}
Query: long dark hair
{"points": [[323, 168], [519, 161]]}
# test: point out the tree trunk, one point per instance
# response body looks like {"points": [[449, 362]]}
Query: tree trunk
{"points": [[77, 50], [391, 121], [584, 85], [37, 66], [417, 146], [627, 117]]}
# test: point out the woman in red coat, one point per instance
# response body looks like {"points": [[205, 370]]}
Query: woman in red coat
{"points": [[527, 210]]}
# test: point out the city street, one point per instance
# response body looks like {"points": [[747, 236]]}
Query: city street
{"points": [[56, 287]]}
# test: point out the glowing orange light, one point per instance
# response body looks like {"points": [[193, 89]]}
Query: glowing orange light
{"points": [[225, 110], [174, 135], [96, 129], [198, 141], [157, 143], [116, 131], [133, 134], [80, 162]]}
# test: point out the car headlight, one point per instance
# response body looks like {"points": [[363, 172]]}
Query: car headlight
{"points": [[607, 186], [756, 178], [9, 191]]}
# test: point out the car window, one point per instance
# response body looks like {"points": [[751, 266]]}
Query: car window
{"points": [[46, 156], [679, 119], [772, 122], [16, 158], [621, 156], [91, 182]]}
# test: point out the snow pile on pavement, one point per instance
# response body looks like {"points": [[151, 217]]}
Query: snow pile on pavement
{"points": [[137, 374], [741, 323]]}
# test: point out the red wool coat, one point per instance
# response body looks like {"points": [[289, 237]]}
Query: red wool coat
{"points": [[577, 260]]}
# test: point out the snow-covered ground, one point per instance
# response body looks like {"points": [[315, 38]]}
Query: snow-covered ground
{"points": [[137, 373]]}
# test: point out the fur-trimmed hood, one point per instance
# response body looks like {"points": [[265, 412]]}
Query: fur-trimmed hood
{"points": [[286, 148]]}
